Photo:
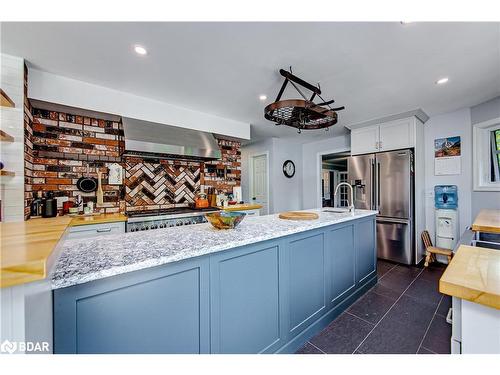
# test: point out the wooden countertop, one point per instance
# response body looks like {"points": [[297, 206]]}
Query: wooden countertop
{"points": [[473, 275], [100, 219], [487, 221], [26, 246], [241, 207]]}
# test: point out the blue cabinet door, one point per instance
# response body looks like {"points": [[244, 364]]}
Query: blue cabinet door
{"points": [[246, 300], [366, 252], [305, 280], [341, 262], [159, 310]]}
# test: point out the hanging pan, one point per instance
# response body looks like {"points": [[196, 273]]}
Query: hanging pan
{"points": [[87, 184]]}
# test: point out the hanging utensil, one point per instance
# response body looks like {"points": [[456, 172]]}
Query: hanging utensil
{"points": [[87, 184]]}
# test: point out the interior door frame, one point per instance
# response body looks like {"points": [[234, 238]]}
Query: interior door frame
{"points": [[319, 167], [250, 178]]}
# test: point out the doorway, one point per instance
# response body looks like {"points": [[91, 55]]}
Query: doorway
{"points": [[333, 172], [259, 181]]}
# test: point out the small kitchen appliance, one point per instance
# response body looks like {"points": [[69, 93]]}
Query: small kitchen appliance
{"points": [[49, 205], [446, 204]]}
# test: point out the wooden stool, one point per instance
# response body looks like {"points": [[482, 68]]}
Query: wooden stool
{"points": [[431, 251]]}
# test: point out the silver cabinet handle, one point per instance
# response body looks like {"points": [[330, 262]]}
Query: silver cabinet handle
{"points": [[100, 230]]}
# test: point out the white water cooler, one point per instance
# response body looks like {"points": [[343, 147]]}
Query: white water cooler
{"points": [[447, 229]]}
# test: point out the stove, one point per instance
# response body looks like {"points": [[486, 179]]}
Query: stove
{"points": [[165, 218]]}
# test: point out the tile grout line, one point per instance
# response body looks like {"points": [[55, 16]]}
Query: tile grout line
{"points": [[310, 343], [423, 347], [387, 312], [366, 321], [381, 277], [429, 326]]}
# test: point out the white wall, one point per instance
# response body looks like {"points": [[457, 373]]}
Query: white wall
{"points": [[285, 194], [311, 166], [12, 153], [447, 125], [480, 113], [71, 92]]}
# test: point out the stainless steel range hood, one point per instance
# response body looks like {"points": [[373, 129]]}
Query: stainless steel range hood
{"points": [[154, 140]]}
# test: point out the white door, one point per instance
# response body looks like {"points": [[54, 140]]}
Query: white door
{"points": [[259, 182], [396, 135], [364, 140]]}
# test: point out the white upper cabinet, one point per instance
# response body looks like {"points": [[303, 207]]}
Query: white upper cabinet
{"points": [[364, 140], [386, 136], [397, 134]]}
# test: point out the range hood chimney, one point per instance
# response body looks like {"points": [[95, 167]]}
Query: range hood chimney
{"points": [[154, 140]]}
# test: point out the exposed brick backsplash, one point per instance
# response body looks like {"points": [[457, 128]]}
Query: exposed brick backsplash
{"points": [[28, 149], [60, 147], [67, 147], [225, 174]]}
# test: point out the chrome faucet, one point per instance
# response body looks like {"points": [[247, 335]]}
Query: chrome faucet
{"points": [[351, 207]]}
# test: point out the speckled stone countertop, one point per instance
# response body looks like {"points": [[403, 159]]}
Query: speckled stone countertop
{"points": [[85, 260]]}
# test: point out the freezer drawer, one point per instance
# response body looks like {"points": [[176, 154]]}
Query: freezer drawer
{"points": [[395, 240]]}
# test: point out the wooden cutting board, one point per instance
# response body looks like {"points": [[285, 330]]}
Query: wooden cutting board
{"points": [[293, 215]]}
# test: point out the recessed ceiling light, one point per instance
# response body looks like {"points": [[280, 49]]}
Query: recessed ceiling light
{"points": [[262, 97], [442, 81], [140, 50]]}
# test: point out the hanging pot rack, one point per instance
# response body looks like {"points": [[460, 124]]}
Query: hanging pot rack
{"points": [[302, 114]]}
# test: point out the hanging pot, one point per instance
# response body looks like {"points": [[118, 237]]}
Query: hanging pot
{"points": [[87, 184]]}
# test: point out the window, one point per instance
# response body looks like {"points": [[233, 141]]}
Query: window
{"points": [[495, 155], [486, 164]]}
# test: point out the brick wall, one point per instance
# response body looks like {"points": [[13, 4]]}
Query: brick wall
{"points": [[28, 149], [157, 184], [61, 146], [224, 174], [67, 147]]}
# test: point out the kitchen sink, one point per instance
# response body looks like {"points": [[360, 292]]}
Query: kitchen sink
{"points": [[489, 240]]}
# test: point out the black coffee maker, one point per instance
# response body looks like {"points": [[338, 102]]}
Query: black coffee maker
{"points": [[49, 205]]}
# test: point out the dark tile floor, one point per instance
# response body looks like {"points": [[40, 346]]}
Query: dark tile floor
{"points": [[402, 314]]}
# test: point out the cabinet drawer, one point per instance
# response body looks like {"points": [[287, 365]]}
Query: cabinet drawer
{"points": [[84, 231]]}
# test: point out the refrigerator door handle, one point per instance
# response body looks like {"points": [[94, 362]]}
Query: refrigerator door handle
{"points": [[378, 185], [393, 220], [372, 177]]}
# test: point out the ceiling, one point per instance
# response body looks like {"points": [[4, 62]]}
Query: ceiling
{"points": [[374, 69]]}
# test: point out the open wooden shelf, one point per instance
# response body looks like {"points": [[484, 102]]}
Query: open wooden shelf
{"points": [[4, 137], [5, 100], [7, 173]]}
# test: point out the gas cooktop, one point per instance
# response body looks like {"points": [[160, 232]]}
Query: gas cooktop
{"points": [[170, 211], [170, 217]]}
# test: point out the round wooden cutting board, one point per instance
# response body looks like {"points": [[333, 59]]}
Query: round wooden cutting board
{"points": [[293, 215]]}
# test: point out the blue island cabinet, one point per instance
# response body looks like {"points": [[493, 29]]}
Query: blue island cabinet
{"points": [[268, 297], [158, 310]]}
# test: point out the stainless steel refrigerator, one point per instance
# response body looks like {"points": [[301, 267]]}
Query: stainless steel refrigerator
{"points": [[384, 182]]}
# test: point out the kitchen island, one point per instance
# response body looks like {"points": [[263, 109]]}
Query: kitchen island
{"points": [[266, 286]]}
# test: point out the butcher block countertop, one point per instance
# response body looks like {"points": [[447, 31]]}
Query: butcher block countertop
{"points": [[99, 219], [241, 207], [487, 221], [26, 246], [473, 275]]}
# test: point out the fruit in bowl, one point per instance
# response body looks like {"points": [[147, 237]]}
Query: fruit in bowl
{"points": [[225, 219]]}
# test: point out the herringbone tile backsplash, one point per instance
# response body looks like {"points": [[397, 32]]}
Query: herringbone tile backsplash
{"points": [[160, 185]]}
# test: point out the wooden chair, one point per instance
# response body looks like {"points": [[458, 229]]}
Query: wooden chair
{"points": [[431, 251]]}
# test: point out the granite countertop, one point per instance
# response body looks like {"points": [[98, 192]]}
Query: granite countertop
{"points": [[85, 260]]}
